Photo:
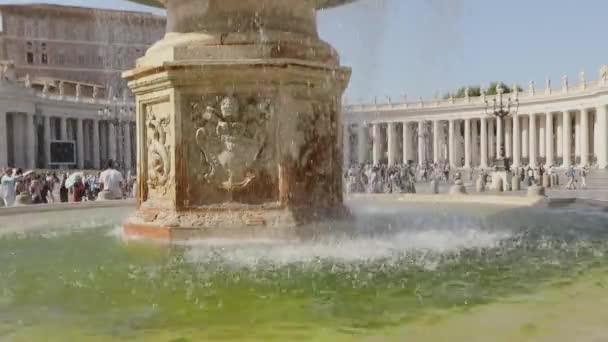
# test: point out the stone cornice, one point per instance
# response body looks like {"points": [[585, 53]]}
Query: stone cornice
{"points": [[575, 97]]}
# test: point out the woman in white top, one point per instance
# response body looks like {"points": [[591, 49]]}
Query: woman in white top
{"points": [[8, 185]]}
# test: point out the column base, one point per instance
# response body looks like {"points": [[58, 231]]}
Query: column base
{"points": [[238, 222]]}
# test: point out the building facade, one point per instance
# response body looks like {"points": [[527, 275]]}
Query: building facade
{"points": [[561, 126], [30, 120], [75, 45], [60, 80]]}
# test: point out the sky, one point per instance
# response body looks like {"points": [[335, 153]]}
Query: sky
{"points": [[424, 47]]}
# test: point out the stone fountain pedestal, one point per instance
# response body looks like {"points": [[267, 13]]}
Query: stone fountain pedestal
{"points": [[238, 122]]}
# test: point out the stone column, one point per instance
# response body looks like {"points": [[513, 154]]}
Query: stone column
{"points": [[475, 144], [96, 145], [602, 133], [559, 131], [525, 137], [345, 145], [577, 135], [391, 131], [584, 151], [533, 140], [467, 143], [80, 143], [376, 144], [421, 142], [3, 140], [63, 128], [541, 136], [127, 149], [508, 138], [451, 143], [362, 141], [516, 142], [491, 140], [436, 143], [483, 142], [112, 141], [47, 140], [550, 154], [584, 136], [567, 126], [30, 131], [499, 136], [407, 143]]}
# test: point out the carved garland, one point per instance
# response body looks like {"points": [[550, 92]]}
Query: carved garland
{"points": [[159, 161]]}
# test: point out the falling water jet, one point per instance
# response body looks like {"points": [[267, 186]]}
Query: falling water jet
{"points": [[234, 139]]}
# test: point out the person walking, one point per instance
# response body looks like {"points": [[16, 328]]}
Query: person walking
{"points": [[63, 190], [111, 182], [571, 174], [583, 174], [9, 186]]}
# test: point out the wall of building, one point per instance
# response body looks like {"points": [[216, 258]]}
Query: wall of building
{"points": [[75, 43]]}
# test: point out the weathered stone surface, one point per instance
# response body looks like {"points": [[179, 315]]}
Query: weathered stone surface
{"points": [[434, 187], [24, 198], [233, 135], [480, 185], [536, 191], [515, 183], [546, 181], [319, 3], [458, 188]]}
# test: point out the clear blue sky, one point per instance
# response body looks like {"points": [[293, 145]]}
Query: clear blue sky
{"points": [[419, 47]]}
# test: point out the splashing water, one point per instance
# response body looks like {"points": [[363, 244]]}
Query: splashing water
{"points": [[393, 268]]}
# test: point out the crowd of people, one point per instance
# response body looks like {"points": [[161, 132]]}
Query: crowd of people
{"points": [[368, 178], [533, 176], [43, 187]]}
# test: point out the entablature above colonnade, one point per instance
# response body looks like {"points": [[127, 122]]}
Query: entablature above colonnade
{"points": [[15, 98], [571, 98]]}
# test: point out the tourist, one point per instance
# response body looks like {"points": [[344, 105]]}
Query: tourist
{"points": [[63, 190], [46, 191], [78, 190], [51, 183], [111, 182], [9, 187], [35, 189], [583, 173], [530, 175], [20, 182], [571, 174]]}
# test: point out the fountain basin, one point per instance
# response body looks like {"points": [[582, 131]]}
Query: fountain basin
{"points": [[396, 272]]}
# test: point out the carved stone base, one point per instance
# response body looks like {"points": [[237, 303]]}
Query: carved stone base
{"points": [[233, 223], [239, 122]]}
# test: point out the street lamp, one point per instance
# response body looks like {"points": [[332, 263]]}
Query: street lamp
{"points": [[501, 110], [117, 116]]}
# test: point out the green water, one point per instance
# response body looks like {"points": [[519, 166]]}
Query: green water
{"points": [[402, 267]]}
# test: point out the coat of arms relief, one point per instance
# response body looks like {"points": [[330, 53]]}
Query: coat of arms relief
{"points": [[232, 135]]}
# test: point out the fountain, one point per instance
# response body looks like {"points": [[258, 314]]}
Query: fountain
{"points": [[422, 272], [239, 121]]}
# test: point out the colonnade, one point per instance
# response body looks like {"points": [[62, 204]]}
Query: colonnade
{"points": [[25, 140], [572, 136]]}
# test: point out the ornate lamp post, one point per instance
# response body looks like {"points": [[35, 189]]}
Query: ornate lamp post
{"points": [[501, 110], [117, 116]]}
